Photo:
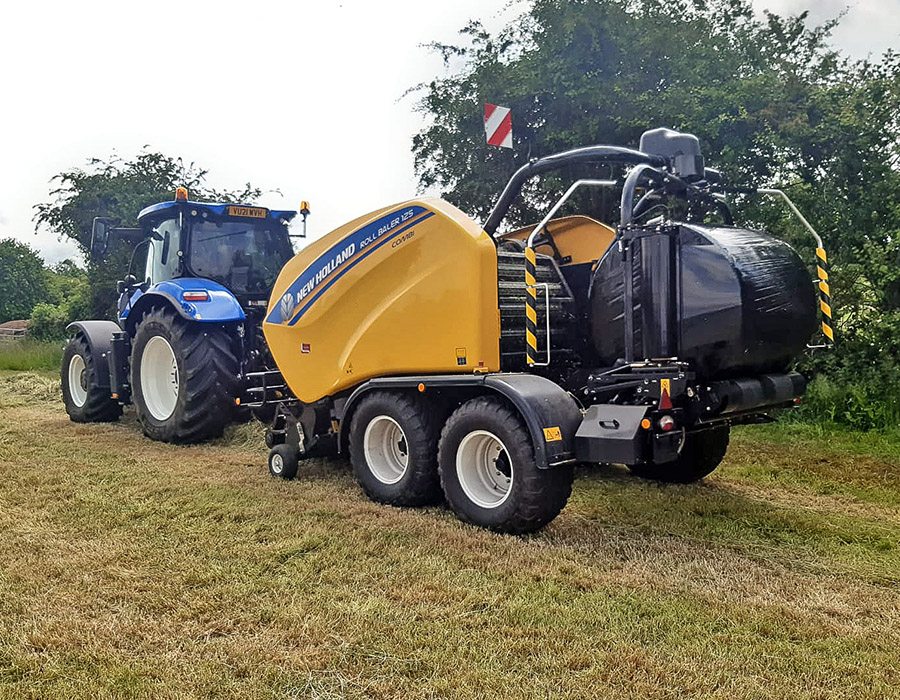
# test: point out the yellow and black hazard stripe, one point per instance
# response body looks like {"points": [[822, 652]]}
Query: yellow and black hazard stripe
{"points": [[824, 294], [530, 307]]}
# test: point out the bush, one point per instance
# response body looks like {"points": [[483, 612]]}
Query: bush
{"points": [[72, 294]]}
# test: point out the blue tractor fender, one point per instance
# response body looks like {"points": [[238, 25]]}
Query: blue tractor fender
{"points": [[98, 335], [220, 306]]}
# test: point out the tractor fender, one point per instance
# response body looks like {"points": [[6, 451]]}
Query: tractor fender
{"points": [[551, 414], [98, 335], [221, 307]]}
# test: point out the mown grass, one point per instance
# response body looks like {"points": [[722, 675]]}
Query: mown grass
{"points": [[30, 355], [134, 569]]}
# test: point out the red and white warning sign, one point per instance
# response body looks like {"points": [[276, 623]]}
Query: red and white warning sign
{"points": [[498, 126]]}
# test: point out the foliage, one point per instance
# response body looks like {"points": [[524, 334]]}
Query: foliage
{"points": [[119, 188], [69, 300], [772, 103], [22, 283]]}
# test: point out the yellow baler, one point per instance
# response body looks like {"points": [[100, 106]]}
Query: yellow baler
{"points": [[453, 361]]}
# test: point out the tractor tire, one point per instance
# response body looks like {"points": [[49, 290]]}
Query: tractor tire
{"points": [[184, 378], [700, 455], [393, 449], [85, 400], [488, 471]]}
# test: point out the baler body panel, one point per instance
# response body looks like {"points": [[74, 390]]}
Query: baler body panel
{"points": [[578, 238], [408, 289]]}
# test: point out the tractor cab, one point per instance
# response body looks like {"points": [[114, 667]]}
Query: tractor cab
{"points": [[241, 248]]}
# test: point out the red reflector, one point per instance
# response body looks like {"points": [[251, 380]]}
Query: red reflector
{"points": [[666, 423], [196, 296], [665, 401]]}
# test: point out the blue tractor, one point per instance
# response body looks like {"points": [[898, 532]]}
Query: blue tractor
{"points": [[187, 341]]}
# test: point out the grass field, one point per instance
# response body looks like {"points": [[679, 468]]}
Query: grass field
{"points": [[132, 569], [30, 355]]}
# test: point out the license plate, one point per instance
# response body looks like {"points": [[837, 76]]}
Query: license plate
{"points": [[248, 212]]}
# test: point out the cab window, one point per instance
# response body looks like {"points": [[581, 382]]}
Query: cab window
{"points": [[162, 257]]}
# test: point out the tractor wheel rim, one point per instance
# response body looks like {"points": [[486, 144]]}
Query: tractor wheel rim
{"points": [[78, 380], [484, 469], [159, 378], [386, 449], [277, 464]]}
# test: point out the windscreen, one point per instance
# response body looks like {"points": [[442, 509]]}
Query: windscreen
{"points": [[246, 257]]}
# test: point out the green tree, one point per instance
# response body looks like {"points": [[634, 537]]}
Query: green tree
{"points": [[22, 281], [119, 188]]}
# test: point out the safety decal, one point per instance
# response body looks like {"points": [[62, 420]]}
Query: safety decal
{"points": [[461, 357], [552, 434], [530, 307], [824, 294], [341, 257]]}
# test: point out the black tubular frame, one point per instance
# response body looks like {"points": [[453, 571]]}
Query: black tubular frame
{"points": [[596, 154]]}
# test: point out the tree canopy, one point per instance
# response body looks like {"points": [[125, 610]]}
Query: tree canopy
{"points": [[22, 282]]}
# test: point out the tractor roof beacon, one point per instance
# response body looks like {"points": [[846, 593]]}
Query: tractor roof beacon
{"points": [[188, 327], [479, 364]]}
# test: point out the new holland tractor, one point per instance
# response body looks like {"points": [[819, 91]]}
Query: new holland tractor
{"points": [[451, 360], [188, 335]]}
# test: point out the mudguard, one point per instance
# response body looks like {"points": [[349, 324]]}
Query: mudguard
{"points": [[550, 413], [221, 307], [98, 335]]}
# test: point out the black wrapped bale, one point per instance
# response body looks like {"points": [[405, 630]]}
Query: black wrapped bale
{"points": [[733, 302]]}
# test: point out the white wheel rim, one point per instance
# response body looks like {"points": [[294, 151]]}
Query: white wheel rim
{"points": [[78, 380], [386, 449], [277, 463], [159, 378], [484, 469]]}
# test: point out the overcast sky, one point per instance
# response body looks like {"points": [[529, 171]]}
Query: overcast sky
{"points": [[305, 97]]}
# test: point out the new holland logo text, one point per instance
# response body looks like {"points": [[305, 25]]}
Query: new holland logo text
{"points": [[290, 301], [331, 264]]}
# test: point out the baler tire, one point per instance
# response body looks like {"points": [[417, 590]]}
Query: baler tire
{"points": [[534, 497], [283, 461], [207, 373], [417, 483], [701, 454], [96, 406]]}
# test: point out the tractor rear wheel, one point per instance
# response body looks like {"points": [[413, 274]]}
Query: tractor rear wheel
{"points": [[488, 471], [183, 377], [393, 449], [700, 455], [86, 401]]}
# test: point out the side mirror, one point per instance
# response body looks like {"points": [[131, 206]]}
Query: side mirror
{"points": [[100, 237]]}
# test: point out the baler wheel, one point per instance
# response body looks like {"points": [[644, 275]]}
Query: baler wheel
{"points": [[701, 454], [488, 471], [85, 400], [184, 378], [393, 449], [283, 461]]}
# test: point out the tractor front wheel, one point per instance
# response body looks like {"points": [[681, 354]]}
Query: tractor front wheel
{"points": [[86, 401], [183, 378]]}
